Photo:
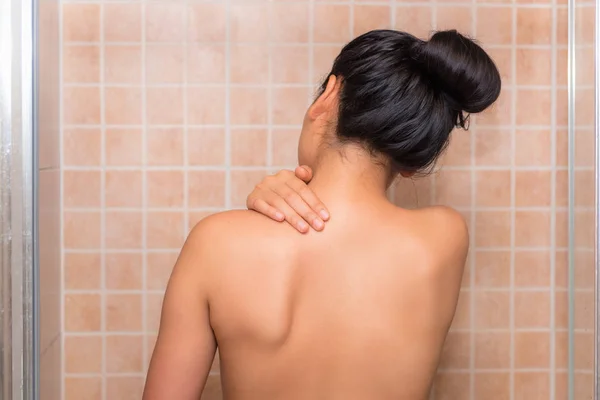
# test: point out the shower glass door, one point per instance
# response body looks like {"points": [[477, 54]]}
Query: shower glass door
{"points": [[17, 344]]}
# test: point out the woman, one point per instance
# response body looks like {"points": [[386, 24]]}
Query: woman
{"points": [[360, 310]]}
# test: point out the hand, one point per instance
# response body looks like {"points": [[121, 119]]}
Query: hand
{"points": [[286, 196]]}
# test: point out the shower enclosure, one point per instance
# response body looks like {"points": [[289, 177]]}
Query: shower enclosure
{"points": [[525, 176], [30, 317]]}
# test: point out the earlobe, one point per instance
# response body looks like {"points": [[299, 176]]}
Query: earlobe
{"points": [[314, 110]]}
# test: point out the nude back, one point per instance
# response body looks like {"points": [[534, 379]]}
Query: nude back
{"points": [[355, 312]]}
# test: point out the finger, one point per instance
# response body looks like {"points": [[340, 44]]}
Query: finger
{"points": [[276, 208], [309, 169], [295, 201], [264, 208], [310, 198], [283, 175], [304, 172], [291, 216]]}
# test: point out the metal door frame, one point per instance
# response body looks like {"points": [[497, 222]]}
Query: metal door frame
{"points": [[18, 169]]}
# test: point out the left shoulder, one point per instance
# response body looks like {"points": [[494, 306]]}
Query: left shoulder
{"points": [[234, 232], [229, 225], [210, 245]]}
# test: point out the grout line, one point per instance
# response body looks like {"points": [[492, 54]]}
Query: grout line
{"points": [[219, 85], [311, 59], [103, 301], [270, 84], [144, 168], [186, 161], [228, 189], [434, 18], [351, 26], [61, 201], [311, 45], [553, 133], [513, 197]]}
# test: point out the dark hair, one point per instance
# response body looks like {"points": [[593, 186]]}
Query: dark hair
{"points": [[402, 96]]}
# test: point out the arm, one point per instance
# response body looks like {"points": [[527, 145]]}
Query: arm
{"points": [[185, 347], [285, 196]]}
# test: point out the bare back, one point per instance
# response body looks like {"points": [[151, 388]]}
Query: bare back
{"points": [[359, 311]]}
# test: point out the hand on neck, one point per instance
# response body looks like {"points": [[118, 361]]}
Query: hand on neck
{"points": [[348, 172]]}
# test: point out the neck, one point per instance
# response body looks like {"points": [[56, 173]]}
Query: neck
{"points": [[349, 175]]}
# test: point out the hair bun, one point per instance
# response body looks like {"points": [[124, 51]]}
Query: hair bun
{"points": [[461, 68]]}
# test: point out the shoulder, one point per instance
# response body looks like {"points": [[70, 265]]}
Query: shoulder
{"points": [[439, 233], [221, 222], [228, 227], [446, 224], [444, 239], [232, 235], [234, 223], [216, 241]]}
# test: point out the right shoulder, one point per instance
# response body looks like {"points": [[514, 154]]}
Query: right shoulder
{"points": [[443, 245], [446, 225], [439, 233]]}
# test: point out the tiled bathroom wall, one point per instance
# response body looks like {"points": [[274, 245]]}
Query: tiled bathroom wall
{"points": [[173, 110], [583, 187], [508, 175]]}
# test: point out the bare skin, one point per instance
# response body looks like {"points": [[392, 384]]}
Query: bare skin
{"points": [[285, 196], [358, 311]]}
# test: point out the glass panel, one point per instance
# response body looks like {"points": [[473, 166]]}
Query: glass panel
{"points": [[5, 232], [16, 199]]}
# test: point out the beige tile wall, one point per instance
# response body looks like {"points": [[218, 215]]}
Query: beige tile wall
{"points": [[174, 109]]}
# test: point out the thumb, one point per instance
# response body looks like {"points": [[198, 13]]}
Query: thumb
{"points": [[304, 172]]}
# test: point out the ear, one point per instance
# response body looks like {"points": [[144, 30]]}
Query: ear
{"points": [[327, 99], [407, 174]]}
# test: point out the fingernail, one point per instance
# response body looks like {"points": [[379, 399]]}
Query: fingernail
{"points": [[324, 214], [302, 226], [318, 224], [279, 216]]}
